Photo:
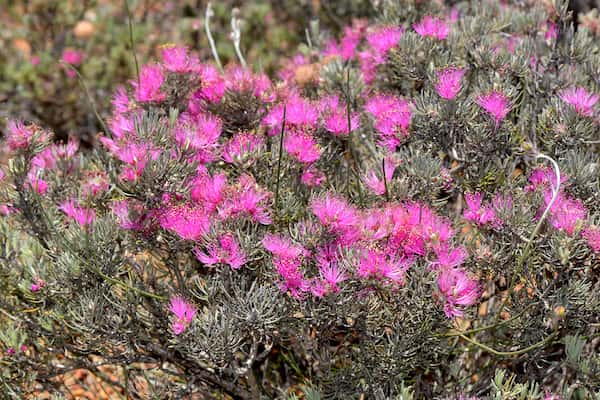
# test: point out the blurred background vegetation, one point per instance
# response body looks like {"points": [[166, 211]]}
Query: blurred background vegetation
{"points": [[35, 86]]}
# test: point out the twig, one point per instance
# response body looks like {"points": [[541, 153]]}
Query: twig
{"points": [[131, 42], [87, 93], [236, 35], [521, 261], [387, 192], [509, 353], [209, 13], [279, 158]]}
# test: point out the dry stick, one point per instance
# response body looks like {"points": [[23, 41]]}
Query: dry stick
{"points": [[509, 353], [520, 263], [131, 42], [349, 143], [209, 13], [87, 93], [279, 158], [387, 192], [454, 333]]}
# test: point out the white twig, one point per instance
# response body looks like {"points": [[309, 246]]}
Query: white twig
{"points": [[236, 35], [207, 16], [555, 188]]}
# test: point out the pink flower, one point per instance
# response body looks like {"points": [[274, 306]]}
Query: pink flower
{"points": [[337, 122], [130, 214], [332, 275], [136, 155], [282, 247], [95, 184], [7, 209], [377, 184], [552, 396], [318, 287], [368, 62], [122, 126], [241, 80], [477, 213], [312, 177], [19, 136], [582, 100], [592, 235], [188, 222], [247, 199], [432, 27], [120, 100], [240, 148], [458, 290], [379, 266], [73, 57], [148, 89], [338, 216], [209, 191], [212, 87], [292, 278], [454, 15], [349, 42], [448, 84], [37, 284], [177, 59], [335, 116], [566, 212], [496, 104], [83, 216], [183, 312], [551, 31], [392, 117], [302, 146], [447, 258], [545, 178], [199, 132], [37, 184], [227, 251], [384, 38], [299, 113]]}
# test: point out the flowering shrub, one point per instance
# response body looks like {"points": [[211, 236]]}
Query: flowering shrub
{"points": [[408, 212], [42, 41]]}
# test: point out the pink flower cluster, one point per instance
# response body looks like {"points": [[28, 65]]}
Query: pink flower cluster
{"points": [[378, 42], [20, 136], [448, 82], [566, 213], [82, 215], [433, 27], [485, 214], [227, 252], [377, 184], [392, 117], [374, 246], [301, 117], [243, 148], [334, 116]]}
